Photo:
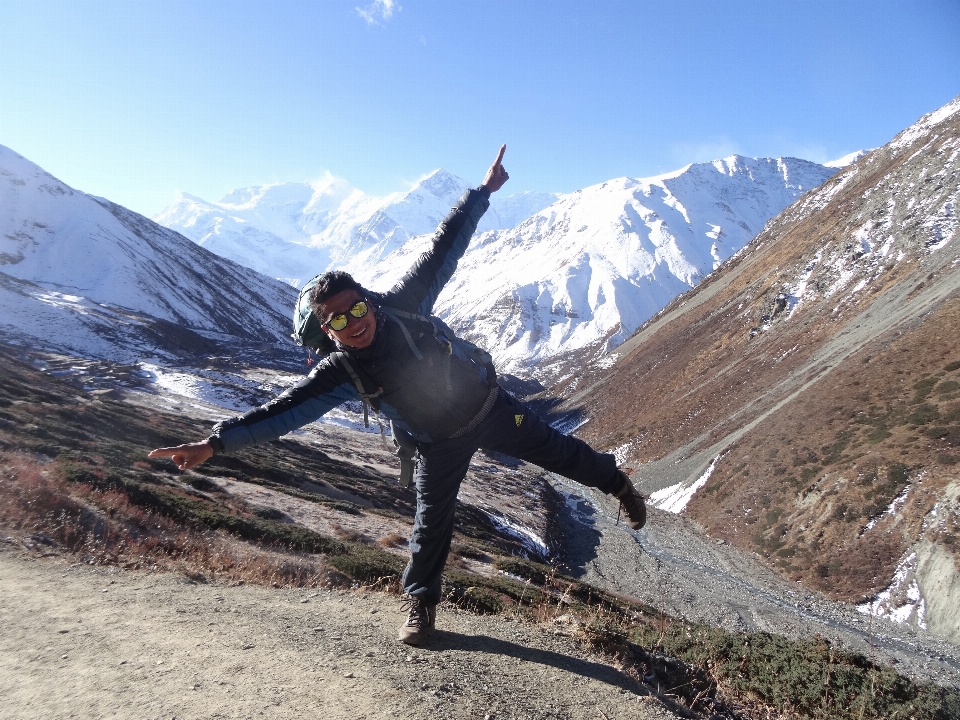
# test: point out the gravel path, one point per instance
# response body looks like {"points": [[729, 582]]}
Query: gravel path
{"points": [[672, 564], [85, 642]]}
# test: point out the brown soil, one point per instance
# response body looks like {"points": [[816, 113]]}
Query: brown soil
{"points": [[823, 417], [88, 642]]}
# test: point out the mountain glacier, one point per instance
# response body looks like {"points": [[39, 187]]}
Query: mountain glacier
{"points": [[546, 275], [292, 231]]}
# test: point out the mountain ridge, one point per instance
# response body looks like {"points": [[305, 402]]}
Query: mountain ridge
{"points": [[577, 271], [128, 285], [793, 396]]}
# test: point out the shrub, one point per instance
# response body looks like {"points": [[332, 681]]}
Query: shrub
{"points": [[924, 414], [368, 564], [924, 388]]}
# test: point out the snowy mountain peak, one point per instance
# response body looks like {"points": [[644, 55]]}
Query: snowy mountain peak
{"points": [[546, 274], [443, 185], [280, 194], [847, 159], [16, 170]]}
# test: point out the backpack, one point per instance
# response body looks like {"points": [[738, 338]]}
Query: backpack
{"points": [[307, 331]]}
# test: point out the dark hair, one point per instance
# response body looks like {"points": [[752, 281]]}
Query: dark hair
{"points": [[329, 284]]}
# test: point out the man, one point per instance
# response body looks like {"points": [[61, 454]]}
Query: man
{"points": [[438, 390]]}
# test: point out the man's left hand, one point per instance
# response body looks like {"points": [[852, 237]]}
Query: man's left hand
{"points": [[497, 174]]}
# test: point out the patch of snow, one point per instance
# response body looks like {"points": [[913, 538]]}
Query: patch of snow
{"points": [[675, 498], [795, 294], [847, 159], [892, 508], [532, 542], [942, 227], [902, 599], [620, 453], [607, 362]]}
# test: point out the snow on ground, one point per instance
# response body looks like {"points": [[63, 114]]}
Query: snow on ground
{"points": [[901, 601], [532, 543], [891, 510], [675, 498]]}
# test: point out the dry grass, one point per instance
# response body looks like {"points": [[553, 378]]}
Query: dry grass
{"points": [[393, 539], [104, 502], [51, 515]]}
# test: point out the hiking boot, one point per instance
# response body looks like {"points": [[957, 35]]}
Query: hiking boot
{"points": [[631, 504], [421, 620]]}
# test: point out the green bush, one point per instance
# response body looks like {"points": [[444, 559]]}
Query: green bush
{"points": [[925, 413], [533, 571], [924, 388], [808, 677], [367, 564]]}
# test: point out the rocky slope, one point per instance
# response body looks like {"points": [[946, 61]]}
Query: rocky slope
{"points": [[803, 402], [83, 275]]}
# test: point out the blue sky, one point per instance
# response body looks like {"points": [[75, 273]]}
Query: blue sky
{"points": [[139, 99]]}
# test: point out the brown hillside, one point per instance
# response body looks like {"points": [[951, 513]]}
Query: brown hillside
{"points": [[822, 366]]}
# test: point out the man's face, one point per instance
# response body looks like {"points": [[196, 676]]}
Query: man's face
{"points": [[359, 332]]}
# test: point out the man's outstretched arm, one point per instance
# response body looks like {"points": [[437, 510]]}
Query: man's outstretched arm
{"points": [[419, 288], [297, 406]]}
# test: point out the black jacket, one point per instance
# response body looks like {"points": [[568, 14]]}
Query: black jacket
{"points": [[431, 398]]}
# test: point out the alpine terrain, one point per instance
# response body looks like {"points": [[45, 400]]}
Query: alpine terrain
{"points": [[293, 231], [796, 409], [548, 280], [803, 401], [84, 276]]}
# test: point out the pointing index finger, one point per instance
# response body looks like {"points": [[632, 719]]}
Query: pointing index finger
{"points": [[503, 149]]}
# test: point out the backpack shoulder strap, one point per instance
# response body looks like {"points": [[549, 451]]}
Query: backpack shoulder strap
{"points": [[366, 397], [395, 315]]}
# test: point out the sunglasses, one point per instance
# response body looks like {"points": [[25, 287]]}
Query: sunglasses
{"points": [[339, 321]]}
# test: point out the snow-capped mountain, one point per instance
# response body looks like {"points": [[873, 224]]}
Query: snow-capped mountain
{"points": [[293, 231], [545, 274], [591, 268], [83, 275]]}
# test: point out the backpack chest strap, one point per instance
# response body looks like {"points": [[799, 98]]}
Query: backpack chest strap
{"points": [[364, 395]]}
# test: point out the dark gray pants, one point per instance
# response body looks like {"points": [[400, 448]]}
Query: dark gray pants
{"points": [[512, 429]]}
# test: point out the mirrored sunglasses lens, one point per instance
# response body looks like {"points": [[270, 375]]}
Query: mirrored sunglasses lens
{"points": [[338, 322], [359, 309]]}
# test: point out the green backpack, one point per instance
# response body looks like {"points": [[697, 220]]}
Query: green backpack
{"points": [[306, 326]]}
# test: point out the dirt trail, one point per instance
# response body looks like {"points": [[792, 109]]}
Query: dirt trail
{"points": [[84, 642]]}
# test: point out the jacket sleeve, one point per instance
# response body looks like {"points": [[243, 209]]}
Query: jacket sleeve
{"points": [[417, 291], [318, 393]]}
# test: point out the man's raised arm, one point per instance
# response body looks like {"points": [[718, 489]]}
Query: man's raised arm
{"points": [[418, 290]]}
